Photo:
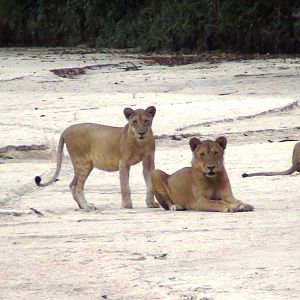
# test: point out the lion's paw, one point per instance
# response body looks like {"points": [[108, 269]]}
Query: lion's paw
{"points": [[232, 209], [245, 207], [152, 204], [239, 208], [89, 207], [176, 207], [127, 205]]}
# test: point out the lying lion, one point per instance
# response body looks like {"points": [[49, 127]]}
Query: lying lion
{"points": [[295, 165], [109, 149], [204, 186]]}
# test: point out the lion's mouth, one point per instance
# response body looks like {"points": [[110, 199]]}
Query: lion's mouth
{"points": [[211, 174]]}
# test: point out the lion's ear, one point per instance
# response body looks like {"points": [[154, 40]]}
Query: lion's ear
{"points": [[194, 142], [151, 110], [128, 112], [222, 141]]}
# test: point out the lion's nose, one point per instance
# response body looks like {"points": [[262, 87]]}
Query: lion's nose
{"points": [[211, 168], [142, 133]]}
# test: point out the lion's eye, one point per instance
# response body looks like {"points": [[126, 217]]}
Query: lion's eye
{"points": [[146, 122], [134, 122], [202, 155]]}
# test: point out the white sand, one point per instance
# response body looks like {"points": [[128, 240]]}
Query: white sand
{"points": [[149, 253]]}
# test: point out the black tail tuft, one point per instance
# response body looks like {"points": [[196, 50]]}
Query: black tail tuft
{"points": [[37, 180], [245, 175]]}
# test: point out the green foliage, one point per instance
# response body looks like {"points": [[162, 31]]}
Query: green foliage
{"points": [[246, 26], [262, 26]]}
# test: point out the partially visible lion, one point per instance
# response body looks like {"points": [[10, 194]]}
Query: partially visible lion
{"points": [[203, 187], [109, 149], [295, 166]]}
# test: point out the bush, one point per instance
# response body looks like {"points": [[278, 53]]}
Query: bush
{"points": [[244, 26]]}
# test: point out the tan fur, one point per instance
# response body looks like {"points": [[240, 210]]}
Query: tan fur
{"points": [[204, 186], [109, 149], [295, 166]]}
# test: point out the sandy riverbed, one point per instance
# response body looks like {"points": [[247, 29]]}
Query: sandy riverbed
{"points": [[148, 253]]}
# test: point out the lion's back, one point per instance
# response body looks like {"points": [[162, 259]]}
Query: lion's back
{"points": [[94, 142]]}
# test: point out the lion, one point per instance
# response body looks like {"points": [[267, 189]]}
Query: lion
{"points": [[202, 187], [109, 149], [295, 165]]}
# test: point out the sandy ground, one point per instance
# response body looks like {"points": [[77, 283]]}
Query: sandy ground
{"points": [[146, 253]]}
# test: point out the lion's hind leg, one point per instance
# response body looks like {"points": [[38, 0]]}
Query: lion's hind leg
{"points": [[82, 171], [160, 188]]}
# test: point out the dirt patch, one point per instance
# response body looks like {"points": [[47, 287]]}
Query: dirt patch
{"points": [[210, 57], [76, 71], [22, 151]]}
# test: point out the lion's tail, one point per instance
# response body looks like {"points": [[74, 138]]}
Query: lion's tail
{"points": [[60, 148], [286, 172], [295, 165]]}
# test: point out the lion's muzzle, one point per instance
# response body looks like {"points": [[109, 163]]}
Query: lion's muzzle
{"points": [[211, 171], [141, 135]]}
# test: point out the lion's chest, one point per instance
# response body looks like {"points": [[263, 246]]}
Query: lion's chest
{"points": [[204, 190], [133, 153], [213, 195], [133, 158]]}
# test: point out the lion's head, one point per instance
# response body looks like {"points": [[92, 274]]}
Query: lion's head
{"points": [[140, 121], [208, 155]]}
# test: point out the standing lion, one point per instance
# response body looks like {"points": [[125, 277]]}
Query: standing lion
{"points": [[109, 149]]}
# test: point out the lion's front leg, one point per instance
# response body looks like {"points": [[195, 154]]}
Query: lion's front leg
{"points": [[205, 204], [124, 184], [239, 204], [148, 166]]}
